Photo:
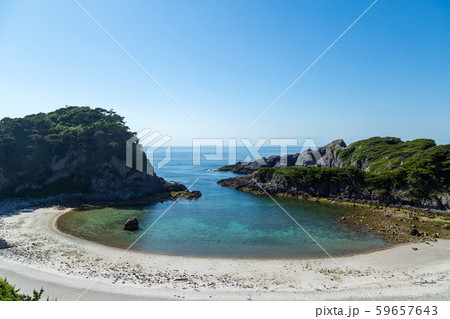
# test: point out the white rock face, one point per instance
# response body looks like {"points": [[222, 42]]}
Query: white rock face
{"points": [[325, 156]]}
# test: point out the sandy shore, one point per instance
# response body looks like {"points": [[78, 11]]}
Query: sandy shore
{"points": [[65, 266]]}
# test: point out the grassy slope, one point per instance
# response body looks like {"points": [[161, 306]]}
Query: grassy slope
{"points": [[382, 153]]}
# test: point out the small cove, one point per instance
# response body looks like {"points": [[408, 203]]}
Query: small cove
{"points": [[223, 222]]}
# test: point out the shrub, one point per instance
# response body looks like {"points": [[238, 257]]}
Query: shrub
{"points": [[9, 293]]}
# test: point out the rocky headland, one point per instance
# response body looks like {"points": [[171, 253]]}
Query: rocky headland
{"points": [[75, 157], [386, 174]]}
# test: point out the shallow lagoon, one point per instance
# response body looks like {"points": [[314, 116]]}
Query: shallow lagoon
{"points": [[223, 222]]}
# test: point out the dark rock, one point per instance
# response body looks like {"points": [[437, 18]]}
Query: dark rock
{"points": [[193, 195], [245, 167], [186, 195], [414, 232], [131, 224], [3, 244]]}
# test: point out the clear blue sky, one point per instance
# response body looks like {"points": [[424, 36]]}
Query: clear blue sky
{"points": [[227, 61]]}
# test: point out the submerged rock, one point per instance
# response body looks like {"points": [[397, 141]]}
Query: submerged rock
{"points": [[131, 224], [193, 195]]}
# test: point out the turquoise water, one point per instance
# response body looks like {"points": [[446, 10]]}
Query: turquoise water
{"points": [[223, 222]]}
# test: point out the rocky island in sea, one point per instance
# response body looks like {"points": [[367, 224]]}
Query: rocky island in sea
{"points": [[75, 156], [380, 171]]}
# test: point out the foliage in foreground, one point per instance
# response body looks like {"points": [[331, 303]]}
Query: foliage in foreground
{"points": [[9, 293]]}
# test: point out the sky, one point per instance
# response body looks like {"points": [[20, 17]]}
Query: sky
{"points": [[225, 62]]}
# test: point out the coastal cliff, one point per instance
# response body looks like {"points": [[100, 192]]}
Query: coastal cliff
{"points": [[377, 171], [72, 153]]}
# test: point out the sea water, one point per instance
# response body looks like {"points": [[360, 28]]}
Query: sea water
{"points": [[224, 222]]}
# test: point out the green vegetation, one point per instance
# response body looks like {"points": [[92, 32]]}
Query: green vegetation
{"points": [[312, 174], [378, 154], [9, 293], [79, 138], [413, 170], [23, 141]]}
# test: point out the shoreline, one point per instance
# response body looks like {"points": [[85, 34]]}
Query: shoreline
{"points": [[62, 233], [64, 264]]}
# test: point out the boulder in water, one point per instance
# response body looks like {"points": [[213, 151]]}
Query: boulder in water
{"points": [[131, 224]]}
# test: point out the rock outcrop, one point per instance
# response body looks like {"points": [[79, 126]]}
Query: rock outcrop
{"points": [[75, 154], [325, 156], [382, 171], [193, 195], [351, 189]]}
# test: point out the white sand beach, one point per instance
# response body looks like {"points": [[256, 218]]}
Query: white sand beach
{"points": [[65, 266]]}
